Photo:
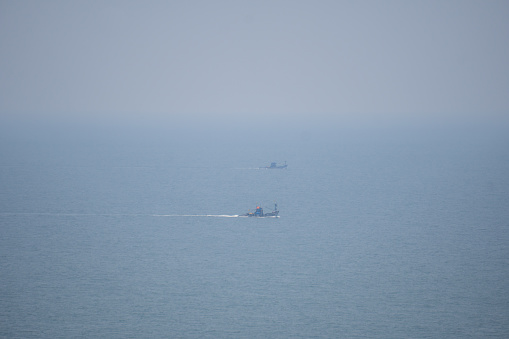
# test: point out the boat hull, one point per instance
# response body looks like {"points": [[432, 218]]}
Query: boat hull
{"points": [[259, 213], [275, 166]]}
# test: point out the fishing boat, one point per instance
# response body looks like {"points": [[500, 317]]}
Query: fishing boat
{"points": [[259, 213], [274, 165]]}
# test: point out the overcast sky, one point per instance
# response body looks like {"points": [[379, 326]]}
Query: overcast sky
{"points": [[168, 62]]}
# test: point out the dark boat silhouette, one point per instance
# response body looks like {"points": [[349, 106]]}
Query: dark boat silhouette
{"points": [[259, 213], [274, 165]]}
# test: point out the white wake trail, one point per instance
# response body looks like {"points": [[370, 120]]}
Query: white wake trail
{"points": [[197, 215], [115, 214]]}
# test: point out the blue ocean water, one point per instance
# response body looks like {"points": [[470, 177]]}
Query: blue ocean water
{"points": [[377, 238]]}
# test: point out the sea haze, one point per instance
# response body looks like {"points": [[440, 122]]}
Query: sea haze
{"points": [[380, 235]]}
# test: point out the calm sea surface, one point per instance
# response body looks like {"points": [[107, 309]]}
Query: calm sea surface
{"points": [[375, 240]]}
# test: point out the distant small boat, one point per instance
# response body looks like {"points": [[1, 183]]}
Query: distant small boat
{"points": [[274, 165], [259, 213]]}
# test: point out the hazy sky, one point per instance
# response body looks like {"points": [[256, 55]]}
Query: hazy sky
{"points": [[167, 62]]}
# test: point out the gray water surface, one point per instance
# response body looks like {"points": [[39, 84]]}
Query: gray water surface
{"points": [[374, 240]]}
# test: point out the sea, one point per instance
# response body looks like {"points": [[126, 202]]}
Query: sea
{"points": [[380, 235]]}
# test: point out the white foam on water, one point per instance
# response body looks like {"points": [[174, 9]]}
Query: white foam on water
{"points": [[131, 214], [197, 215]]}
